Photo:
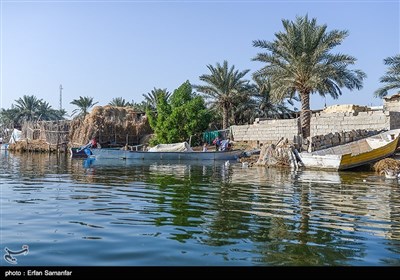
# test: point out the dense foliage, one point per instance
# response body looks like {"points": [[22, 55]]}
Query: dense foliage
{"points": [[183, 115]]}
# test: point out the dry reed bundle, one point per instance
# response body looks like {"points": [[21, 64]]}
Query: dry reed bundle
{"points": [[387, 164], [111, 125], [275, 155]]}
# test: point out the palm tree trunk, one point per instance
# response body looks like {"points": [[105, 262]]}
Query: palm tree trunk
{"points": [[305, 114], [225, 118]]}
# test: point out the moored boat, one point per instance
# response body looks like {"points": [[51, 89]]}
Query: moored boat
{"points": [[167, 156], [353, 154]]}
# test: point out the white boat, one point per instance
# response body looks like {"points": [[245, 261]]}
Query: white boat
{"points": [[353, 154]]}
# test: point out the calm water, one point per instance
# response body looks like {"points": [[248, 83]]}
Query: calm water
{"points": [[109, 213]]}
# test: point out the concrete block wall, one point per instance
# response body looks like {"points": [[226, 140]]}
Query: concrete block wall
{"points": [[270, 131], [323, 123], [267, 132]]}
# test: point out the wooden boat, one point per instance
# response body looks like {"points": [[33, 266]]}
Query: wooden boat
{"points": [[353, 154], [110, 153]]}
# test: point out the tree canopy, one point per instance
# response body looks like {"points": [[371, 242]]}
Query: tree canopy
{"points": [[185, 114]]}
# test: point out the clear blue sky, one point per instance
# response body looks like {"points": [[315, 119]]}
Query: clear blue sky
{"points": [[107, 49]]}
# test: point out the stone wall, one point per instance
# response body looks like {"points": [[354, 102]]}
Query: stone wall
{"points": [[322, 123], [394, 121], [320, 142]]}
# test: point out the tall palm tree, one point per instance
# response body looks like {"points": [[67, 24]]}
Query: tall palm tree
{"points": [[27, 107], [392, 76], [119, 102], [152, 97], [223, 88], [299, 62], [83, 104]]}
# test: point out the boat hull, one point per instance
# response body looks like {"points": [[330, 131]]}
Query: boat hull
{"points": [[320, 162], [165, 156], [386, 144], [348, 161]]}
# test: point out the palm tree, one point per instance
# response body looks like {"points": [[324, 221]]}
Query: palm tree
{"points": [[119, 102], [27, 107], [299, 62], [392, 76], [83, 104], [61, 113], [266, 106], [224, 87], [152, 97], [139, 107], [244, 110], [9, 117], [47, 113]]}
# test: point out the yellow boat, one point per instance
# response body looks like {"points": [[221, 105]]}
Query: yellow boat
{"points": [[353, 154]]}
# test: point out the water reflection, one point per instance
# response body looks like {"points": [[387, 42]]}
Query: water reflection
{"points": [[215, 213]]}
